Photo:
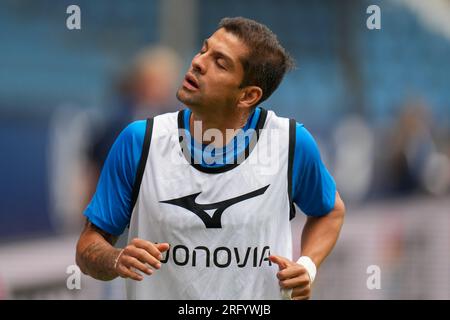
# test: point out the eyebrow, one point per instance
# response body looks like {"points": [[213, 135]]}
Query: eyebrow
{"points": [[220, 54]]}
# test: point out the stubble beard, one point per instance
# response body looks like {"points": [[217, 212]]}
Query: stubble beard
{"points": [[186, 98]]}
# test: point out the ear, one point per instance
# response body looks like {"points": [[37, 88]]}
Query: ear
{"points": [[249, 97]]}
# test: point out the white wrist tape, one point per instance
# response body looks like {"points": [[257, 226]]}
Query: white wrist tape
{"points": [[309, 266]]}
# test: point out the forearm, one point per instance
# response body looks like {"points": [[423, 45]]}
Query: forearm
{"points": [[321, 233], [96, 255]]}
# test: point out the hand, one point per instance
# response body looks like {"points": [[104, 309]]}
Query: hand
{"points": [[139, 255], [293, 276]]}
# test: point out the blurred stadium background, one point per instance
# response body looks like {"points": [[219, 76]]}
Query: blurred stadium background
{"points": [[378, 102]]}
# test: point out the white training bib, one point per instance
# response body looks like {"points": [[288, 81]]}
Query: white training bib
{"points": [[222, 223]]}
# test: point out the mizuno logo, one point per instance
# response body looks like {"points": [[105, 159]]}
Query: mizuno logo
{"points": [[214, 221]]}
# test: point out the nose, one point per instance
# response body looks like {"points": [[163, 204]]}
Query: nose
{"points": [[198, 64]]}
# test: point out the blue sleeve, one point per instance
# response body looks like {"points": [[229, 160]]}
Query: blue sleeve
{"points": [[313, 187], [110, 207]]}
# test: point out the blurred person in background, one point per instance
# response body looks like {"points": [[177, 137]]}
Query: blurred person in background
{"points": [[144, 90], [409, 147]]}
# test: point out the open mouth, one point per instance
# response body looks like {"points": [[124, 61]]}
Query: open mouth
{"points": [[190, 82]]}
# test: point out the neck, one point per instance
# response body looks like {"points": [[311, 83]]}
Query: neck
{"points": [[215, 128]]}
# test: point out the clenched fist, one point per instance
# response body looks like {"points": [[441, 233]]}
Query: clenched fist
{"points": [[139, 255], [293, 277]]}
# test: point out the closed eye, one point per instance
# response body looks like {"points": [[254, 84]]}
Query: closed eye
{"points": [[219, 64]]}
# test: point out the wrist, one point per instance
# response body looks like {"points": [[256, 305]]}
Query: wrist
{"points": [[309, 265]]}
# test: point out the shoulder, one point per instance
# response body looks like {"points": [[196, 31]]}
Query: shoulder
{"points": [[304, 141], [128, 146], [134, 131], [305, 144]]}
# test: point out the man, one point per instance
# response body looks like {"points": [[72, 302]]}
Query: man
{"points": [[212, 220]]}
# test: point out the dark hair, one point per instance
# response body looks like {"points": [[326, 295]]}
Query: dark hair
{"points": [[267, 61]]}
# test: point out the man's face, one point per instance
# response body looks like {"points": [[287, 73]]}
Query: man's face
{"points": [[216, 72]]}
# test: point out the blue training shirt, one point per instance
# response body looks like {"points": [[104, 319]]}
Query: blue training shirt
{"points": [[313, 187]]}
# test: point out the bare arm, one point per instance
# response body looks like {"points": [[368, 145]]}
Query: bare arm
{"points": [[96, 254], [318, 239], [321, 233]]}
